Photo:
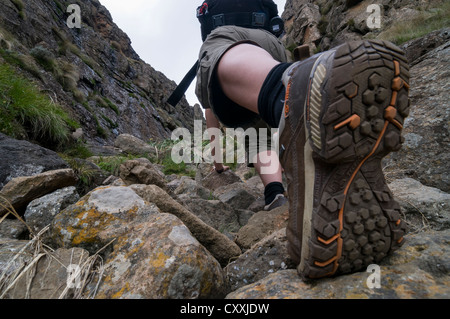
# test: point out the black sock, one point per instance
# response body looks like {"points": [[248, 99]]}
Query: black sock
{"points": [[271, 97], [272, 190]]}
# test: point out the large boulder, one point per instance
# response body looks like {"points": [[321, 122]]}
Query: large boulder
{"points": [[141, 171], [160, 259], [20, 191], [147, 254], [133, 145], [222, 248], [98, 217], [22, 158]]}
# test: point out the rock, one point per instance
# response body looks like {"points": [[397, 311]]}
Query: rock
{"points": [[261, 225], [51, 277], [159, 258], [215, 180], [21, 158], [426, 150], [237, 195], [133, 145], [12, 256], [214, 213], [13, 229], [267, 256], [78, 134], [419, 270], [141, 171], [41, 211], [415, 49], [423, 206], [98, 217], [222, 248], [237, 198], [187, 188], [20, 191]]}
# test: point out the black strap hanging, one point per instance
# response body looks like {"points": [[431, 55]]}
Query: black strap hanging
{"points": [[181, 89]]}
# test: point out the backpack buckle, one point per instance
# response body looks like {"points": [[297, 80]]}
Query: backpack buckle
{"points": [[218, 20], [258, 19]]}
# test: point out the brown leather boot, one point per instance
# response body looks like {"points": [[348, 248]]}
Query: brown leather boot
{"points": [[344, 112]]}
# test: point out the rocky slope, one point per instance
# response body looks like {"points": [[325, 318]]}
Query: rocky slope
{"points": [[324, 24], [92, 71], [143, 233]]}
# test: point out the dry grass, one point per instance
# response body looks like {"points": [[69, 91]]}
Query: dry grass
{"points": [[88, 275]]}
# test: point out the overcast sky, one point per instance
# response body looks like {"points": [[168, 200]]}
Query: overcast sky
{"points": [[165, 33]]}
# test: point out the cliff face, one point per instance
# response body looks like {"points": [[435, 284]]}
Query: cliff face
{"points": [[324, 24], [92, 71]]}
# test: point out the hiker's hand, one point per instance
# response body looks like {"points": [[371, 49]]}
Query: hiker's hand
{"points": [[221, 169]]}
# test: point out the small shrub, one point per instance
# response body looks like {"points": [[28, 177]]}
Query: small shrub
{"points": [[44, 57]]}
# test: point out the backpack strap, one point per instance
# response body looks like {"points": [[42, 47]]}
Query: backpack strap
{"points": [[181, 89]]}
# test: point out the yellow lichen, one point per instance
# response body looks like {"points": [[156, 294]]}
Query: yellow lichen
{"points": [[120, 293]]}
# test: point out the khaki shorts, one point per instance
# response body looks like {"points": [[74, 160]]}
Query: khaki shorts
{"points": [[208, 90]]}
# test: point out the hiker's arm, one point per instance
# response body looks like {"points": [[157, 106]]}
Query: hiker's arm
{"points": [[213, 122]]}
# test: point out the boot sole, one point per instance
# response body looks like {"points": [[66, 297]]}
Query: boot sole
{"points": [[355, 109]]}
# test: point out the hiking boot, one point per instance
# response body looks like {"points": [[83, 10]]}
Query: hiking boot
{"points": [[344, 112], [279, 201]]}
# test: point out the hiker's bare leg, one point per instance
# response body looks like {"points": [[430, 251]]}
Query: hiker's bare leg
{"points": [[242, 71], [268, 167]]}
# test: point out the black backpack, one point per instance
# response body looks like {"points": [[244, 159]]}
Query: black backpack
{"points": [[261, 14], [256, 14]]}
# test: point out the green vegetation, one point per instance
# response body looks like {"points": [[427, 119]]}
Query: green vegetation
{"points": [[24, 62], [163, 156], [77, 149], [26, 112], [44, 57], [20, 6], [65, 45], [84, 171], [173, 168], [111, 164], [426, 22], [323, 25]]}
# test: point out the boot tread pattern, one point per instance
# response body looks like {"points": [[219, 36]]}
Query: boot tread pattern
{"points": [[365, 101]]}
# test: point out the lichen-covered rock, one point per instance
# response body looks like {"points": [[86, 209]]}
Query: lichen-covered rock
{"points": [[418, 270], [222, 248], [100, 216], [148, 254], [160, 258]]}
